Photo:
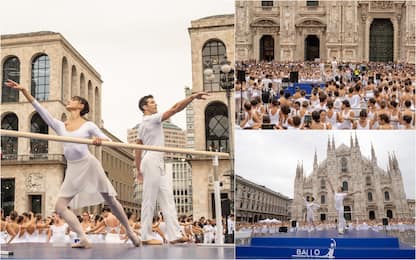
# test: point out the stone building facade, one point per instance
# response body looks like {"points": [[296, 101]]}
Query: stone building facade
{"points": [[382, 191], [212, 39], [356, 30], [254, 202], [32, 170]]}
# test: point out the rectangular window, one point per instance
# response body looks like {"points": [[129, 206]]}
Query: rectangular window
{"points": [[35, 203], [312, 3], [7, 195], [266, 3]]}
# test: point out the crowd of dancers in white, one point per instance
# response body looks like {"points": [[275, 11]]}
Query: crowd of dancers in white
{"points": [[103, 228], [86, 183], [265, 228], [358, 96]]}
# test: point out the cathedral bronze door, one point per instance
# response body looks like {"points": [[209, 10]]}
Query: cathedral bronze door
{"points": [[311, 47], [381, 40], [347, 213], [267, 48]]}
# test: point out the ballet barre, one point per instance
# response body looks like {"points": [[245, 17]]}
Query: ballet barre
{"points": [[58, 138]]}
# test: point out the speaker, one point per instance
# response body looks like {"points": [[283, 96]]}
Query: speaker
{"points": [[283, 229], [293, 223], [241, 75], [294, 76], [285, 80], [385, 221]]}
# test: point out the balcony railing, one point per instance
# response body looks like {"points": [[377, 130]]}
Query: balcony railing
{"points": [[33, 157]]}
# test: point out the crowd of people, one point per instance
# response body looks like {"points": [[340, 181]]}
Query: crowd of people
{"points": [[263, 229], [101, 228], [366, 95]]}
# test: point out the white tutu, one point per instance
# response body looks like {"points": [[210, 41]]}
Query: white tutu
{"points": [[113, 238], [85, 179], [3, 237]]}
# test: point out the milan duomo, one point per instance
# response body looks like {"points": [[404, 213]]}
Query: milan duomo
{"points": [[382, 192], [305, 30]]}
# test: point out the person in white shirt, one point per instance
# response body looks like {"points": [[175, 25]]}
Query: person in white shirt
{"points": [[334, 65], [339, 205], [150, 169], [231, 227], [310, 207]]}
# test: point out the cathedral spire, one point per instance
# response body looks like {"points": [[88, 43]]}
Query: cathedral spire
{"points": [[329, 145], [373, 155], [395, 162], [351, 141], [297, 170], [301, 168], [315, 161], [356, 140], [333, 143]]}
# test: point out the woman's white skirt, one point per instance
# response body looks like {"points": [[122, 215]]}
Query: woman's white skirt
{"points": [[85, 180]]}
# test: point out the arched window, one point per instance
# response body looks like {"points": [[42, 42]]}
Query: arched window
{"points": [[82, 92], [9, 143], [389, 213], [386, 196], [371, 215], [38, 148], [368, 180], [11, 70], [370, 196], [323, 183], [322, 199], [216, 127], [212, 53], [90, 101], [344, 164], [74, 81], [65, 80], [40, 77], [97, 108], [344, 186]]}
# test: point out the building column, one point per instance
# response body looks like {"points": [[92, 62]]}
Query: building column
{"points": [[367, 38], [395, 38]]}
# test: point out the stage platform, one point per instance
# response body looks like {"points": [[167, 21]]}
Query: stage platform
{"points": [[326, 244], [118, 251]]}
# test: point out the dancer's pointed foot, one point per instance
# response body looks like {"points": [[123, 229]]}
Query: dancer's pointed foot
{"points": [[85, 244], [180, 240], [152, 242], [134, 239]]}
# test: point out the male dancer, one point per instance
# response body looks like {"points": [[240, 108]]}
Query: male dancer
{"points": [[339, 205], [150, 170], [310, 207]]}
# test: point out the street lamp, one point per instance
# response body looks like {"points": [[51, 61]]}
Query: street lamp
{"points": [[226, 83]]}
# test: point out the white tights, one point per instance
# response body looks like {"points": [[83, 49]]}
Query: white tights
{"points": [[61, 208]]}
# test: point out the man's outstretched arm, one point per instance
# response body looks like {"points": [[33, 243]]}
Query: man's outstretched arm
{"points": [[182, 104]]}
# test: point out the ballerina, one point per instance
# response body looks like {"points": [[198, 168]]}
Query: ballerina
{"points": [[310, 207], [85, 181]]}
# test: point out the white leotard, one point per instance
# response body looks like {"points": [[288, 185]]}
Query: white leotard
{"points": [[72, 151], [366, 127], [274, 119]]}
